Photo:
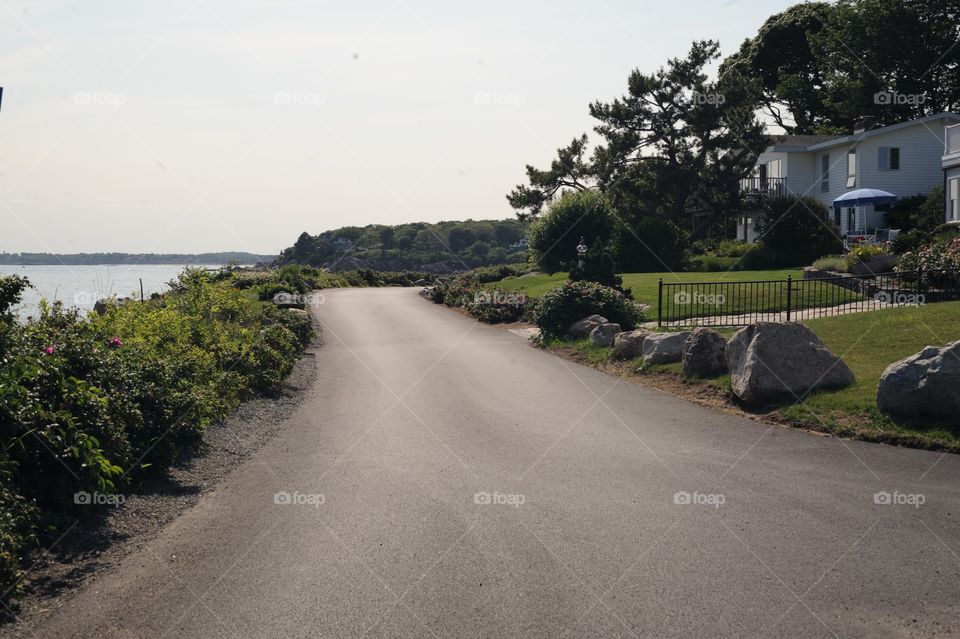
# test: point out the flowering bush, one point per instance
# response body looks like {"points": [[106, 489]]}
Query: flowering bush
{"points": [[488, 304], [943, 253], [86, 403]]}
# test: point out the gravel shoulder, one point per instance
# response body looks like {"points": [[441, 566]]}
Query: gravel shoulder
{"points": [[97, 545]]}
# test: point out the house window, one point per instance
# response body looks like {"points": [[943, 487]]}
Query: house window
{"points": [[825, 173], [851, 220], [953, 200], [773, 169], [851, 168], [889, 158]]}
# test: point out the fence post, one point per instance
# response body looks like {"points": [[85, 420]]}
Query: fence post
{"points": [[919, 284], [789, 294], [660, 303]]}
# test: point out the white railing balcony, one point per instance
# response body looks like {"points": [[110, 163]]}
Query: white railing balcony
{"points": [[952, 140]]}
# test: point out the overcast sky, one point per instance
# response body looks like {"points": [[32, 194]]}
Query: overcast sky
{"points": [[207, 125]]}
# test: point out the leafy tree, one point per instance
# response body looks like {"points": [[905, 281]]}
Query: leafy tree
{"points": [[652, 245], [387, 238], [569, 171], [923, 212], [351, 233], [507, 232], [781, 59], [871, 47], [674, 134], [554, 236], [796, 232], [479, 250], [823, 66], [460, 237]]}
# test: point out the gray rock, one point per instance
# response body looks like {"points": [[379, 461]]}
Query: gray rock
{"points": [[704, 353], [603, 334], [100, 306], [297, 312], [584, 327], [629, 344], [768, 361], [422, 282], [663, 348], [284, 299], [927, 383]]}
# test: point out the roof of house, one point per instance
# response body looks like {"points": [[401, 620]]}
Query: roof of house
{"points": [[803, 143]]}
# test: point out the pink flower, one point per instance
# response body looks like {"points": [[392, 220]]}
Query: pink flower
{"points": [[115, 342], [50, 350]]}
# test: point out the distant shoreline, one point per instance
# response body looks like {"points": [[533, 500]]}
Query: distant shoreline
{"points": [[127, 259]]}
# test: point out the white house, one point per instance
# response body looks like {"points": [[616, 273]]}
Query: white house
{"points": [[904, 159], [951, 173]]}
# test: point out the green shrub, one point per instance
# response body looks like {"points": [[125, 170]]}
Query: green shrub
{"points": [[712, 263], [556, 310], [759, 258], [555, 235], [916, 212], [731, 248], [19, 518], [910, 241], [837, 263], [486, 274]]}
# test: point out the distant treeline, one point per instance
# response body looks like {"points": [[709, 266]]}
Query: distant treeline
{"points": [[74, 259], [440, 247]]}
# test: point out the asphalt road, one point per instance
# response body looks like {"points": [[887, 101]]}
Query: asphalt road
{"points": [[419, 417]]}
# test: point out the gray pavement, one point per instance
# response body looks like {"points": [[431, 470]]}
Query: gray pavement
{"points": [[443, 478]]}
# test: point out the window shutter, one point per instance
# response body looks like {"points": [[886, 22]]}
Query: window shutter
{"points": [[895, 158]]}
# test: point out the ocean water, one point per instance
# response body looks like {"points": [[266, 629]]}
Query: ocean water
{"points": [[82, 286]]}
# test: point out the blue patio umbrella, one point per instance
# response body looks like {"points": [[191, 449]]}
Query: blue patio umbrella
{"points": [[863, 197]]}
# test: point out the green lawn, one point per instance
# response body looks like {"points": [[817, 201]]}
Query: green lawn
{"points": [[734, 300], [868, 343]]}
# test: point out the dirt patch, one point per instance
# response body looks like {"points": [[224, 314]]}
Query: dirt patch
{"points": [[97, 544]]}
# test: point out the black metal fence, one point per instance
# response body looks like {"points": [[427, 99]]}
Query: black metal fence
{"points": [[739, 303]]}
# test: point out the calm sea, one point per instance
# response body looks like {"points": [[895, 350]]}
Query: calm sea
{"points": [[82, 286]]}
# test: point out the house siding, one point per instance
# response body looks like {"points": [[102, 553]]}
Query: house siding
{"points": [[921, 151], [922, 166], [801, 175]]}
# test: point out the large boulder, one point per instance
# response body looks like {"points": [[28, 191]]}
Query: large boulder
{"points": [[584, 327], [704, 353], [603, 334], [927, 383], [629, 344], [769, 361], [663, 348]]}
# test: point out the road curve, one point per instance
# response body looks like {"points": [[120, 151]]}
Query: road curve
{"points": [[420, 416]]}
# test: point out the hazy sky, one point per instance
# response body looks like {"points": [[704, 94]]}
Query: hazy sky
{"points": [[206, 125]]}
